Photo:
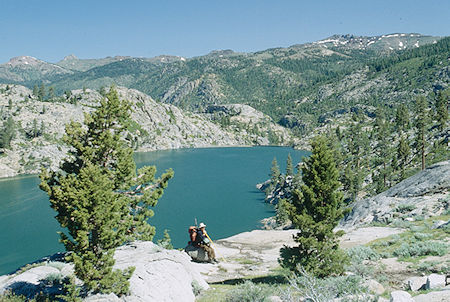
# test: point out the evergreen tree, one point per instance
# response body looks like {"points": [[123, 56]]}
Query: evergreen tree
{"points": [[403, 152], [357, 146], [93, 198], [275, 174], [289, 166], [315, 209], [41, 92], [402, 118], [35, 90], [421, 123], [8, 131], [382, 149], [51, 93], [442, 108]]}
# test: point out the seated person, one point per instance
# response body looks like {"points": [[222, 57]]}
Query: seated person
{"points": [[202, 240]]}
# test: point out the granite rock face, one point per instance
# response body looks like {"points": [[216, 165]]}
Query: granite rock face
{"points": [[154, 126], [425, 193], [160, 275]]}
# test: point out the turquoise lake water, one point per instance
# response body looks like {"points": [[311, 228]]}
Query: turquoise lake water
{"points": [[214, 185]]}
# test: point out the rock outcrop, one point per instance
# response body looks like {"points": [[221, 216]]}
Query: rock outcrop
{"points": [[425, 193], [160, 275], [155, 126]]}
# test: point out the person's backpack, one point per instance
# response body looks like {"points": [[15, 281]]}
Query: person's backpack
{"points": [[192, 234]]}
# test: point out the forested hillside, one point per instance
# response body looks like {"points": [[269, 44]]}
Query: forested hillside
{"points": [[299, 86]]}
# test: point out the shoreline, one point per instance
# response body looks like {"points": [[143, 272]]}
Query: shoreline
{"points": [[25, 175]]}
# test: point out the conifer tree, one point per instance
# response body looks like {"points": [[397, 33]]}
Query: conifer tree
{"points": [[403, 152], [7, 133], [35, 90], [421, 123], [289, 166], [315, 209], [41, 92], [442, 108], [93, 198], [402, 118], [275, 173], [382, 149]]}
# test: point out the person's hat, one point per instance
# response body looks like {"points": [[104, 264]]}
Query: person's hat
{"points": [[202, 225]]}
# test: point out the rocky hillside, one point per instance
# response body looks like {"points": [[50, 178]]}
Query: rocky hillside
{"points": [[39, 126], [294, 85], [421, 196]]}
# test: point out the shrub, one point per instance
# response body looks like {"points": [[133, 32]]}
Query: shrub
{"points": [[326, 289], [250, 292], [196, 288], [421, 248], [422, 236], [405, 208], [398, 223], [360, 253]]}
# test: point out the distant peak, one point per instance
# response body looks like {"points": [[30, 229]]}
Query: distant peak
{"points": [[70, 57], [23, 60], [223, 52]]}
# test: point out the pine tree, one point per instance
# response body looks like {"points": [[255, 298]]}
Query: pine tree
{"points": [[289, 166], [8, 131], [315, 209], [403, 152], [35, 90], [382, 149], [442, 108], [51, 93], [41, 93], [402, 118], [93, 198], [275, 174], [421, 123]]}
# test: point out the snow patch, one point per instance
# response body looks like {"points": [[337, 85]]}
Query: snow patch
{"points": [[417, 44], [400, 44], [370, 43], [391, 36]]}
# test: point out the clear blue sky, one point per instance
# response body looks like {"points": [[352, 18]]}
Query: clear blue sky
{"points": [[51, 29]]}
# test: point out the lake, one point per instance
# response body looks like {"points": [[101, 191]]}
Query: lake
{"points": [[214, 185]]}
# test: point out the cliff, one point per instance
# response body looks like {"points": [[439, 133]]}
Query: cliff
{"points": [[39, 126]]}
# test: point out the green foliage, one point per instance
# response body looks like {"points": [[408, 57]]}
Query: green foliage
{"points": [[315, 210], [166, 242], [402, 118], [250, 292], [405, 208], [93, 198], [10, 297], [282, 212], [72, 292], [275, 174], [7, 133], [41, 92], [442, 101], [196, 288], [316, 289], [289, 166], [421, 123], [360, 253], [421, 248], [403, 153]]}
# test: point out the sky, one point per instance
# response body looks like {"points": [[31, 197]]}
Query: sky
{"points": [[52, 29]]}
